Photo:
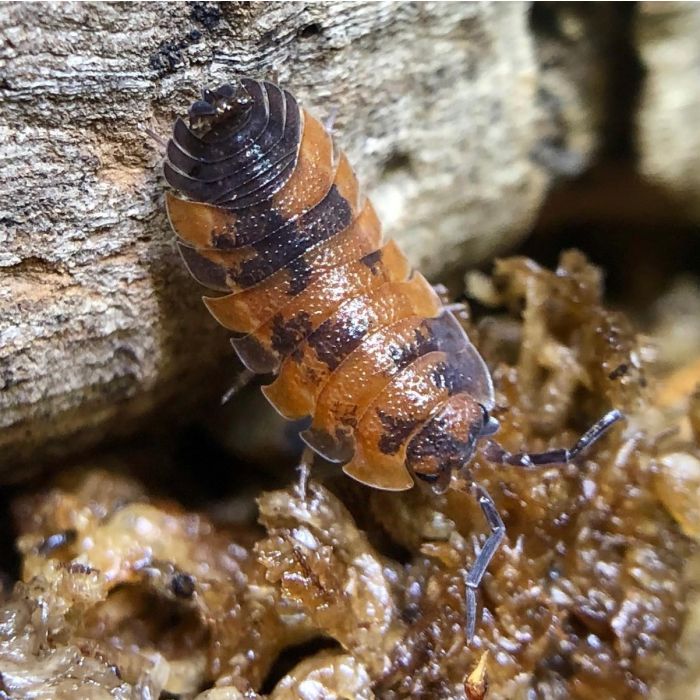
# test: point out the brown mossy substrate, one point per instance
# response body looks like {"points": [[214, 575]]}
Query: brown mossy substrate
{"points": [[346, 592]]}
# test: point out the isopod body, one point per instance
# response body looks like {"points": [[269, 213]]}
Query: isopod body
{"points": [[270, 212]]}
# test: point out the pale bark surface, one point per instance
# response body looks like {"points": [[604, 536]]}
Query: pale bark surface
{"points": [[669, 112], [444, 108]]}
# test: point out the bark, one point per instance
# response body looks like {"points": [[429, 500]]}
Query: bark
{"points": [[444, 109], [667, 133]]}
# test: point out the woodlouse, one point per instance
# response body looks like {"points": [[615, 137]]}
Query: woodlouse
{"points": [[272, 214]]}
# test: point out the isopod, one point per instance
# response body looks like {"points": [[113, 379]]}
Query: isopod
{"points": [[270, 212]]}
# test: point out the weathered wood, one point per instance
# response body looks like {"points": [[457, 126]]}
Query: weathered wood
{"points": [[439, 106], [669, 109]]}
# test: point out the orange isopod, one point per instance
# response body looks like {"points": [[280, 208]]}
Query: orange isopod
{"points": [[270, 211]]}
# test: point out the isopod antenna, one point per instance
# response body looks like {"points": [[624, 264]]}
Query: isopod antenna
{"points": [[496, 454]]}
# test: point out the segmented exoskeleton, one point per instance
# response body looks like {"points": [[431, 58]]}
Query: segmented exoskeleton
{"points": [[272, 214]]}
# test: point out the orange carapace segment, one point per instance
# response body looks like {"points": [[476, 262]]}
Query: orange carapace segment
{"points": [[281, 334], [247, 310], [304, 372]]}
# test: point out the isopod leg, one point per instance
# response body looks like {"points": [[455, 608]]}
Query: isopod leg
{"points": [[493, 542], [496, 454], [456, 307], [304, 471], [240, 382]]}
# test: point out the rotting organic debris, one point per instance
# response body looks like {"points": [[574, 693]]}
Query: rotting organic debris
{"points": [[124, 596]]}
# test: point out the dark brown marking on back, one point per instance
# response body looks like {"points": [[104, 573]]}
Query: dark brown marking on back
{"points": [[449, 376], [286, 335], [404, 355], [434, 446], [251, 225], [446, 442], [292, 240], [396, 430], [432, 334], [334, 340], [299, 275]]}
